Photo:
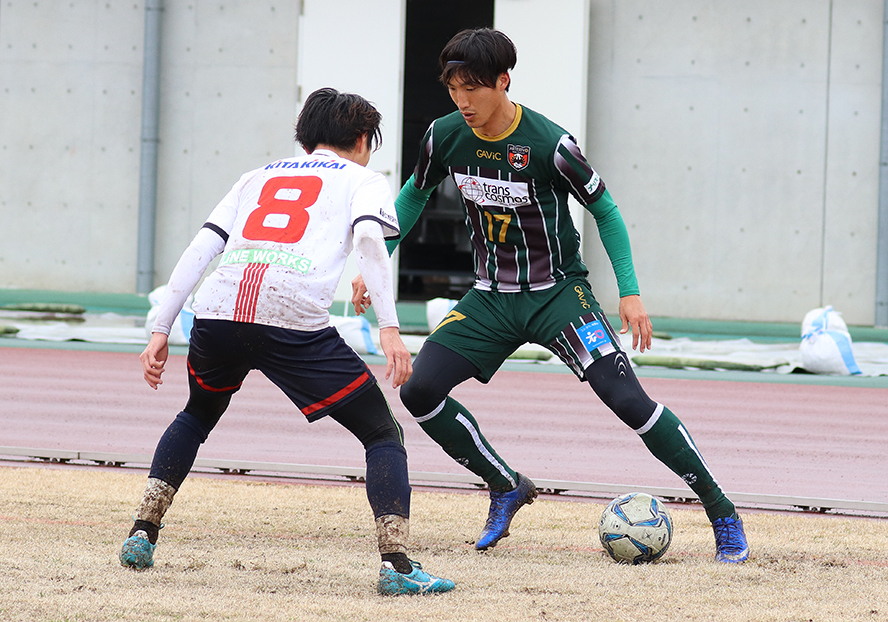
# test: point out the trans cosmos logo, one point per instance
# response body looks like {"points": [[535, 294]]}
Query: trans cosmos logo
{"points": [[491, 192], [472, 189]]}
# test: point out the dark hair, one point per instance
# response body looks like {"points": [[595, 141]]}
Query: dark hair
{"points": [[477, 57], [329, 117]]}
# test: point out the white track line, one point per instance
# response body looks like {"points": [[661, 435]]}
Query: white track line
{"points": [[449, 480]]}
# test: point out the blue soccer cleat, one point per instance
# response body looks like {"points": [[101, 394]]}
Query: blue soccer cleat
{"points": [[394, 583], [730, 540], [137, 552], [503, 506]]}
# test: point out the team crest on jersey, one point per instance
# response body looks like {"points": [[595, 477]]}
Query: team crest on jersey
{"points": [[519, 157]]}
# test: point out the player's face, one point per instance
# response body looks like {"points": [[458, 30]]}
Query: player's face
{"points": [[486, 109]]}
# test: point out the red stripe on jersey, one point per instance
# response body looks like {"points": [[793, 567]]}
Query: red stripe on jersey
{"points": [[336, 396], [205, 386], [248, 292]]}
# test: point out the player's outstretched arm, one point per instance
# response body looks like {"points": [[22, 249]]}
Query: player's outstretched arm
{"points": [[154, 358], [398, 365], [634, 316]]}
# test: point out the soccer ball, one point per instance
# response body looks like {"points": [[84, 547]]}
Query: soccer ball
{"points": [[635, 528]]}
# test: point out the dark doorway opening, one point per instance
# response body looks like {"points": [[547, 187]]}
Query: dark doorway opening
{"points": [[435, 257]]}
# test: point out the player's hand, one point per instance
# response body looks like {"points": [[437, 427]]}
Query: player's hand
{"points": [[154, 358], [360, 297], [399, 367], [633, 315]]}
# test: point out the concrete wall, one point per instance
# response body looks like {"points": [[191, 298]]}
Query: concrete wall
{"points": [[70, 106], [228, 105], [70, 100], [741, 140]]}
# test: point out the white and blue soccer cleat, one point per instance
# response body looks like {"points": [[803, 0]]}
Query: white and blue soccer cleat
{"points": [[394, 583], [137, 552], [730, 540]]}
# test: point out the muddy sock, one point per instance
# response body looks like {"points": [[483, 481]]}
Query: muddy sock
{"points": [[392, 534], [156, 501]]}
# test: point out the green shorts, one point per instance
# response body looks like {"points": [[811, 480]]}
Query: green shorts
{"points": [[487, 327]]}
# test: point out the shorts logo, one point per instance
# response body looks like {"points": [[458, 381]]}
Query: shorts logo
{"points": [[519, 156], [453, 316], [593, 335], [582, 297]]}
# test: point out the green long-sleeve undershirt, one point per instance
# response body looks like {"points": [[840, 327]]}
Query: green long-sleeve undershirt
{"points": [[615, 239]]}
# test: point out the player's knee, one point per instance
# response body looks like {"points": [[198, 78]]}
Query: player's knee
{"points": [[617, 386], [633, 409], [206, 410], [369, 418], [419, 398], [388, 431], [200, 427]]}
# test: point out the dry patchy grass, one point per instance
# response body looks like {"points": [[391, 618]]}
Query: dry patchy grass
{"points": [[235, 550]]}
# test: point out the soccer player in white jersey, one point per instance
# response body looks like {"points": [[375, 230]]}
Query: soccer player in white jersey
{"points": [[284, 232]]}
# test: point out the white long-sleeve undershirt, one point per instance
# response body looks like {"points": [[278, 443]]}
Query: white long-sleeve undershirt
{"points": [[376, 267], [205, 246]]}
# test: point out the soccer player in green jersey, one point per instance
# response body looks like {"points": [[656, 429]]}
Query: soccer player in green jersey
{"points": [[515, 169]]}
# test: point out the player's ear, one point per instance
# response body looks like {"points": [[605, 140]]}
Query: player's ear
{"points": [[504, 81], [362, 143]]}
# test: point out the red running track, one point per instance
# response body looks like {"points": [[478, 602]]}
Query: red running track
{"points": [[816, 441]]}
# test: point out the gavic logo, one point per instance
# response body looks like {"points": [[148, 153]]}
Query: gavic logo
{"points": [[489, 155], [582, 297]]}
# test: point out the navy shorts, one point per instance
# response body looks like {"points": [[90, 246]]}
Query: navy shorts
{"points": [[317, 370]]}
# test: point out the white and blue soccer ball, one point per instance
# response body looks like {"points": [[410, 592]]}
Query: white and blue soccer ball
{"points": [[635, 528]]}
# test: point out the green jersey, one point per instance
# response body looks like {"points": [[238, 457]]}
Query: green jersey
{"points": [[515, 188]]}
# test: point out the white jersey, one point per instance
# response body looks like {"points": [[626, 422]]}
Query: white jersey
{"points": [[289, 231]]}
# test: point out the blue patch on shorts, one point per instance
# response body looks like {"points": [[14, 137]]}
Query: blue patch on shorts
{"points": [[593, 335]]}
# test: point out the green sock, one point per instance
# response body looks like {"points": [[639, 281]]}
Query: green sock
{"points": [[672, 445], [456, 431]]}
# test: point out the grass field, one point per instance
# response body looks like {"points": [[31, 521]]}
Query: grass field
{"points": [[235, 550]]}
